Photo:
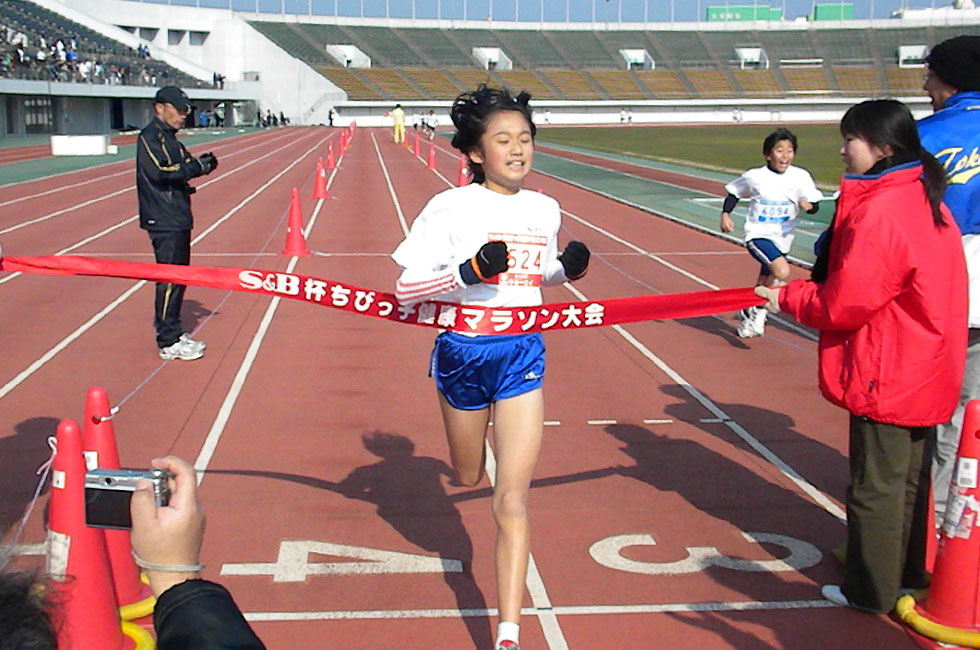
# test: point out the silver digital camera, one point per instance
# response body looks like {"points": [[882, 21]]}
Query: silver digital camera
{"points": [[108, 492]]}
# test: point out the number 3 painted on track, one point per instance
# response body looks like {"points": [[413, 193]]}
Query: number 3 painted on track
{"points": [[608, 553]]}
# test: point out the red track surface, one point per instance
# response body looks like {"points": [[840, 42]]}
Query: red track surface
{"points": [[321, 426]]}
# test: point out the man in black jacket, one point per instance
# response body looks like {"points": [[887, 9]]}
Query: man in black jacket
{"points": [[163, 167]]}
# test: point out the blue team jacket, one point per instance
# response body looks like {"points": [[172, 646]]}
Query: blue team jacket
{"points": [[952, 135]]}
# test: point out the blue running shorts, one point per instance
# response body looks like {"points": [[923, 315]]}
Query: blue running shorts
{"points": [[475, 371], [765, 251]]}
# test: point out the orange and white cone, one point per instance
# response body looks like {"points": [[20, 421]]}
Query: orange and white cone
{"points": [[295, 242], [133, 596], [950, 612], [464, 175], [320, 183], [88, 618]]}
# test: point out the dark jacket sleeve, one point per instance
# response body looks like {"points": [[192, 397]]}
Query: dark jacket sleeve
{"points": [[201, 615], [160, 166]]}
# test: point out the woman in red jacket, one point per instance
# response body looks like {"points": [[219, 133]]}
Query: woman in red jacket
{"points": [[891, 311]]}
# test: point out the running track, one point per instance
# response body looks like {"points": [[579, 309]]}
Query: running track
{"points": [[689, 487]]}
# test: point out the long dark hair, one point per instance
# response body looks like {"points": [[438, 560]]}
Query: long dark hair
{"points": [[472, 111], [889, 123]]}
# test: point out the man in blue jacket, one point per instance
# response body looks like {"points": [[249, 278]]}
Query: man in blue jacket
{"points": [[952, 135]]}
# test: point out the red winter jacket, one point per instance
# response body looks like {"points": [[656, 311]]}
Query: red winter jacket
{"points": [[892, 314]]}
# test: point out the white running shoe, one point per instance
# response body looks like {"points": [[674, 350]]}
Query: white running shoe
{"points": [[753, 322], [200, 345], [181, 350]]}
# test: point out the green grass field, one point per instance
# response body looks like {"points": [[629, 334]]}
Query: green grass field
{"points": [[731, 148]]}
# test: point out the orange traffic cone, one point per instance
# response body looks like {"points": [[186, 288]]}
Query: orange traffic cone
{"points": [[320, 184], [407, 142], [431, 162], [343, 142], [464, 176], [951, 610], [295, 242], [77, 556], [99, 443], [417, 151], [331, 163]]}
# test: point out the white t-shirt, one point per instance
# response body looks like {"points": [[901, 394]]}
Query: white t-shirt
{"points": [[453, 226], [774, 203]]}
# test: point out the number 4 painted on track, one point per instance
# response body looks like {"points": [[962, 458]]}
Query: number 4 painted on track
{"points": [[293, 563], [608, 552]]}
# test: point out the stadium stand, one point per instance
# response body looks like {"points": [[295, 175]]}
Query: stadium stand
{"points": [[619, 84], [810, 80], [357, 88], [27, 29], [709, 82], [859, 80], [435, 64], [663, 84], [517, 80], [435, 82], [757, 83], [904, 81]]}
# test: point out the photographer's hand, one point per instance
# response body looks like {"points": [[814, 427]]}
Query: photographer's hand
{"points": [[169, 536]]}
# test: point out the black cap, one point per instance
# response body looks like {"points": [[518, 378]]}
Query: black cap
{"points": [[957, 62], [174, 96]]}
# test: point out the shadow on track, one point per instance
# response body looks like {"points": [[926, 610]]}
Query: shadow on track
{"points": [[408, 492]]}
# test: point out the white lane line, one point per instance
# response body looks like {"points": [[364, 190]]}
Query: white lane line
{"points": [[552, 423], [202, 145], [572, 610], [235, 390], [600, 423], [658, 422], [65, 342], [78, 206], [129, 220], [819, 497], [553, 634]]}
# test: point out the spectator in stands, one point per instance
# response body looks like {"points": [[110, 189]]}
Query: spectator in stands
{"points": [[952, 134], [163, 167], [891, 310], [777, 193], [398, 123], [458, 251], [189, 612], [282, 118]]}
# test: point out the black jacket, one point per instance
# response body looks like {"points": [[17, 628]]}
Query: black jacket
{"points": [[163, 167], [201, 615]]}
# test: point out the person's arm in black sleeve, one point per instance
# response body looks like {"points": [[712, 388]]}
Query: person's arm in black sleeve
{"points": [[198, 614], [730, 202], [814, 207], [727, 225], [154, 162]]}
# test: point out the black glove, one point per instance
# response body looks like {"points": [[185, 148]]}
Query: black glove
{"points": [[490, 260], [575, 260], [208, 162]]}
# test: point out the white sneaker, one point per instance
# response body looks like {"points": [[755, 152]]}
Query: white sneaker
{"points": [[835, 594], [753, 322], [200, 345], [181, 350]]}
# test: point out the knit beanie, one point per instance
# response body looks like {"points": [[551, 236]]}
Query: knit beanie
{"points": [[957, 62]]}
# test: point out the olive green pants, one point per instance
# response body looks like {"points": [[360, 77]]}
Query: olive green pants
{"points": [[887, 511]]}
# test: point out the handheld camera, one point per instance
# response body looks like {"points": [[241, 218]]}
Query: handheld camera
{"points": [[108, 492]]}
